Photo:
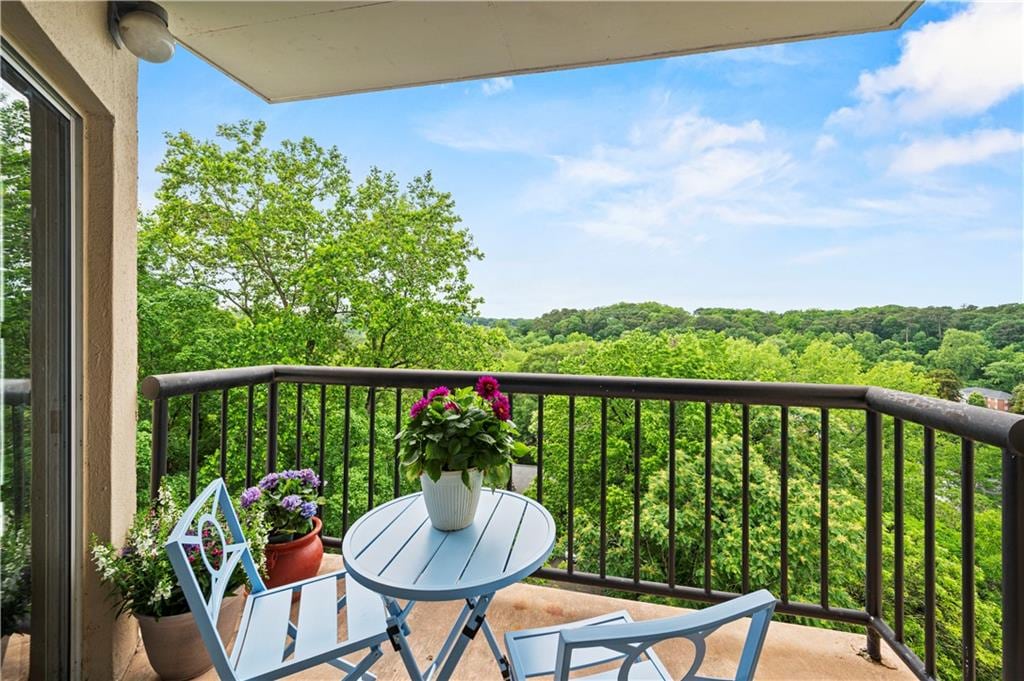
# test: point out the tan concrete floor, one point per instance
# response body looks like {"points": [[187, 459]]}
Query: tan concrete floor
{"points": [[791, 652]]}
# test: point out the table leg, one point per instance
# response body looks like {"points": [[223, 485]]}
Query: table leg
{"points": [[477, 620], [397, 631]]}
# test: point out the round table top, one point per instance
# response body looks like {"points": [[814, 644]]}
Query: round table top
{"points": [[395, 551]]}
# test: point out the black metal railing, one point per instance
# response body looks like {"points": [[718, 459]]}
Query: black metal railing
{"points": [[16, 403], [887, 414]]}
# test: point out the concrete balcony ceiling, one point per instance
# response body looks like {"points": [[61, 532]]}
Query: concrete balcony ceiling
{"points": [[286, 51]]}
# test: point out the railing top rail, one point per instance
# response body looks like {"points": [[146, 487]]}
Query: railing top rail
{"points": [[976, 423], [16, 390], [990, 426]]}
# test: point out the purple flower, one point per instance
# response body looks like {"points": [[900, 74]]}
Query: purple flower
{"points": [[306, 476], [269, 481], [418, 407], [307, 510], [292, 502], [250, 496], [502, 408], [487, 387], [439, 391]]}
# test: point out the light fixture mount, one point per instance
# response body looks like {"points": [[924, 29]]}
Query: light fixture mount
{"points": [[142, 29]]}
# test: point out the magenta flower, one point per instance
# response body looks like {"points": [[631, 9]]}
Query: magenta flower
{"points": [[487, 387], [451, 406], [418, 407], [502, 408], [439, 391]]}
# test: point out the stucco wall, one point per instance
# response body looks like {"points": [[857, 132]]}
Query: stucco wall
{"points": [[68, 44]]}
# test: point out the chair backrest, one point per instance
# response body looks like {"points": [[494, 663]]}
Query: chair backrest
{"points": [[198, 531], [634, 638]]}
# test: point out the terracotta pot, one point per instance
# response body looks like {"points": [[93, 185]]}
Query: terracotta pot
{"points": [[295, 560], [173, 644]]}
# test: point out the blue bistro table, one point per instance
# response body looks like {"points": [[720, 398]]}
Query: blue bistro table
{"points": [[395, 551]]}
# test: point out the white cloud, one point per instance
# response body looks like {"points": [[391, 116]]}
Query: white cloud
{"points": [[655, 186], [495, 86], [812, 257], [929, 155], [961, 66], [824, 143]]}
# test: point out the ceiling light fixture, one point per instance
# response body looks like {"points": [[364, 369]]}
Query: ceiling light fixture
{"points": [[141, 28]]}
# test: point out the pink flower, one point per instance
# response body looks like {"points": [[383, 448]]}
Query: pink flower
{"points": [[502, 408], [487, 387], [451, 406], [439, 391], [418, 408]]}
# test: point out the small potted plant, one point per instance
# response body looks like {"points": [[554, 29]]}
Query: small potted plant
{"points": [[454, 442], [143, 582], [287, 501], [15, 588]]}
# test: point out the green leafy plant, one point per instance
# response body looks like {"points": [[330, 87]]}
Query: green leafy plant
{"points": [[140, 574], [286, 500], [459, 431], [16, 586]]}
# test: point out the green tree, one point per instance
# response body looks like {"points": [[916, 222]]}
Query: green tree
{"points": [[1004, 374], [976, 400], [15, 176], [1017, 402], [281, 237], [947, 384], [963, 352]]}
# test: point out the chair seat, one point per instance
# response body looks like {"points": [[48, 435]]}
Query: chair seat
{"points": [[267, 634], [532, 652]]}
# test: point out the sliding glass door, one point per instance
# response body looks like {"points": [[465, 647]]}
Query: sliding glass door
{"points": [[37, 332]]}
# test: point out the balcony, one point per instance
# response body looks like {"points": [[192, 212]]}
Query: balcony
{"points": [[730, 494], [764, 453]]}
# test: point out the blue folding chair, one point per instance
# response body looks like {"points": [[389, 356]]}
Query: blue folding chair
{"points": [[268, 644], [565, 648]]}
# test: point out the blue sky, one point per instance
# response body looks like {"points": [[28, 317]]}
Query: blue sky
{"points": [[864, 170]]}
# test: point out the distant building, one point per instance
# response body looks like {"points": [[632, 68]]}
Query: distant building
{"points": [[994, 399]]}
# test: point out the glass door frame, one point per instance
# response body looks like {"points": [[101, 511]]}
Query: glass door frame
{"points": [[56, 395]]}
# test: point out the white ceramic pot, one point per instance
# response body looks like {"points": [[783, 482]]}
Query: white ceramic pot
{"points": [[450, 505]]}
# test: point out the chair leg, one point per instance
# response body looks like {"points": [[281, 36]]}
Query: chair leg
{"points": [[359, 671]]}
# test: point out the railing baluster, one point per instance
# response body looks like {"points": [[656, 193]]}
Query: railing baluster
{"points": [[745, 569], [873, 532], [345, 459], [372, 406], [636, 490], [604, 487], [824, 541], [298, 426], [1013, 552], [398, 445], [784, 505], [570, 546], [18, 460], [671, 494], [193, 448], [968, 661], [322, 449], [540, 449], [929, 551], [158, 467], [508, 485], [224, 434], [707, 497], [272, 427], [249, 414], [898, 529]]}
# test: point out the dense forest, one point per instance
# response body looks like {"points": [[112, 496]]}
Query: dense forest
{"points": [[256, 255]]}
